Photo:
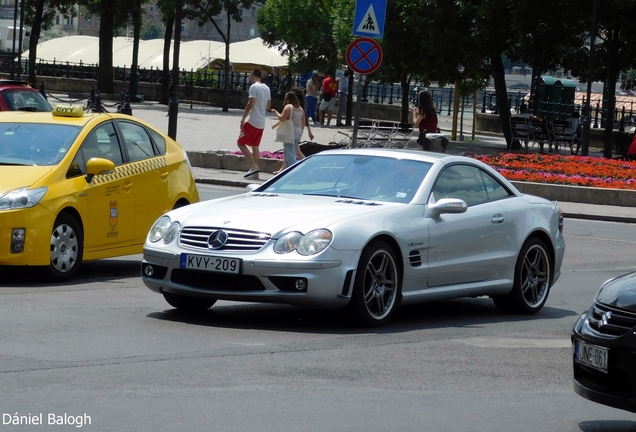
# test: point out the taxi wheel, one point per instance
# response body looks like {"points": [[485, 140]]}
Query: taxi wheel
{"points": [[67, 247], [188, 304]]}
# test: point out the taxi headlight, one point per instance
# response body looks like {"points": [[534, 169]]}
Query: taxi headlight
{"points": [[21, 198], [309, 244], [159, 229]]}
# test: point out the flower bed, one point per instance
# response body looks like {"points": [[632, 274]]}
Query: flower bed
{"points": [[564, 170], [553, 169]]}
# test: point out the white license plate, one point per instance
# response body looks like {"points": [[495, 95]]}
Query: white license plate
{"points": [[211, 263], [591, 355]]}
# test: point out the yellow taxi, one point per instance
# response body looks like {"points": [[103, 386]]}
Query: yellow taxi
{"points": [[76, 187]]}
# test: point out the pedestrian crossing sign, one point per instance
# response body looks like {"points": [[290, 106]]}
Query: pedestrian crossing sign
{"points": [[369, 18]]}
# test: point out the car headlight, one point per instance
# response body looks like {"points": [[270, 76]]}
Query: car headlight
{"points": [[21, 198], [164, 229], [309, 244]]}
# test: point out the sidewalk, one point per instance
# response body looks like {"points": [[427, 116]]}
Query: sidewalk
{"points": [[208, 129]]}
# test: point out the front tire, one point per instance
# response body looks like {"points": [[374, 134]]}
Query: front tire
{"points": [[533, 276], [377, 285], [188, 304], [67, 248]]}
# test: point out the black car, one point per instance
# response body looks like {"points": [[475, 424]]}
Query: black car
{"points": [[604, 346]]}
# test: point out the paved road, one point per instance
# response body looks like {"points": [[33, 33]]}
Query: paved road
{"points": [[108, 347]]}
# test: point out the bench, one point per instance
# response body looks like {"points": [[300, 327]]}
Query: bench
{"points": [[562, 132], [524, 130]]}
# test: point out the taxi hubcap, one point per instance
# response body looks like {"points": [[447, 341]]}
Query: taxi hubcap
{"points": [[64, 248]]}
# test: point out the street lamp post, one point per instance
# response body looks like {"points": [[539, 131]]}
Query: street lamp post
{"points": [[173, 105]]}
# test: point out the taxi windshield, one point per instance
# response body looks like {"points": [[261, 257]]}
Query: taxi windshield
{"points": [[35, 143]]}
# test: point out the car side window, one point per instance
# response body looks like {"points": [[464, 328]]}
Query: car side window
{"points": [[160, 141], [463, 182], [102, 142], [137, 141], [495, 189]]}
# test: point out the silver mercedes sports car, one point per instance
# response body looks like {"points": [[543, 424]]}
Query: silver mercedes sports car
{"points": [[365, 229]]}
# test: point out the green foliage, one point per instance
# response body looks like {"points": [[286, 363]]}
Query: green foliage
{"points": [[150, 31], [304, 30]]}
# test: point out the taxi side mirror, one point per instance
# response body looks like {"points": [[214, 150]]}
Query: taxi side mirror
{"points": [[96, 166]]}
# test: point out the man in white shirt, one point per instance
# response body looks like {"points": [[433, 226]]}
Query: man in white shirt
{"points": [[343, 94], [253, 122]]}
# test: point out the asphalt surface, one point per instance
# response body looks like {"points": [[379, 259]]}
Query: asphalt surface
{"points": [[203, 128]]}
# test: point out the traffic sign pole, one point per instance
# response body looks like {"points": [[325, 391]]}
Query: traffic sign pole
{"points": [[354, 138]]}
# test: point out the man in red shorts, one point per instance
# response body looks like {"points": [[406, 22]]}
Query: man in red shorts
{"points": [[253, 123]]}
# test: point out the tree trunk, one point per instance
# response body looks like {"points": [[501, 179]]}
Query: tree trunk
{"points": [[226, 88], [165, 73], [499, 76], [33, 41], [105, 79]]}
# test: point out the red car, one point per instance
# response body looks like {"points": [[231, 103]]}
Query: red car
{"points": [[20, 96]]}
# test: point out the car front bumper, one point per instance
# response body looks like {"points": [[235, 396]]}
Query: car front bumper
{"points": [[324, 283], [617, 387], [38, 223]]}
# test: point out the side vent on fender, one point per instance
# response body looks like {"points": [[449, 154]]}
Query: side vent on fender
{"points": [[415, 258]]}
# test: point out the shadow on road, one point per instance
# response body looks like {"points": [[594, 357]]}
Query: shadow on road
{"points": [[453, 313], [608, 426], [91, 271]]}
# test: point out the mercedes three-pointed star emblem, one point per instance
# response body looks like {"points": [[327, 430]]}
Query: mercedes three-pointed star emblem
{"points": [[217, 239]]}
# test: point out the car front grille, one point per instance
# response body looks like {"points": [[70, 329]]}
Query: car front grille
{"points": [[237, 240], [610, 321]]}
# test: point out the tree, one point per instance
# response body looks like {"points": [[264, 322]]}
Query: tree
{"points": [[168, 10], [39, 14], [206, 10], [150, 31], [303, 30], [113, 14], [614, 55]]}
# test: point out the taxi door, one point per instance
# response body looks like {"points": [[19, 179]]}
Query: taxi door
{"points": [[152, 177], [109, 197]]}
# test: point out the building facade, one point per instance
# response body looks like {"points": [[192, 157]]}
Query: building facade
{"points": [[86, 24]]}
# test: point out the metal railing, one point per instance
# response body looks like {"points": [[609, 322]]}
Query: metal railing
{"points": [[373, 92]]}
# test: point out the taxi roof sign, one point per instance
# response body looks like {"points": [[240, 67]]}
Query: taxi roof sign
{"points": [[68, 111]]}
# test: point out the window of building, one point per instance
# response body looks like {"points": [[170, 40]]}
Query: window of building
{"points": [[253, 11], [57, 20]]}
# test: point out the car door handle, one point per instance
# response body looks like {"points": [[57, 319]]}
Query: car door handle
{"points": [[497, 219], [164, 175], [127, 186]]}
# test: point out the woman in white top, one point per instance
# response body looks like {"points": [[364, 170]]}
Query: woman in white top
{"points": [[292, 111]]}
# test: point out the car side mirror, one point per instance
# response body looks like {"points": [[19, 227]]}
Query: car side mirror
{"points": [[449, 205], [96, 166], [251, 187]]}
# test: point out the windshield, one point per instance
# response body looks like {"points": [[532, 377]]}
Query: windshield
{"points": [[354, 176], [20, 100], [34, 143]]}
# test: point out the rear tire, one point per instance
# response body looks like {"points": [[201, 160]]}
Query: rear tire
{"points": [[188, 304], [532, 279], [377, 285], [67, 248]]}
